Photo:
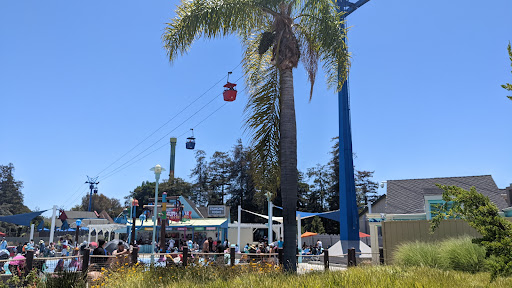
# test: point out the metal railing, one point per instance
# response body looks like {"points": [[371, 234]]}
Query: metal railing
{"points": [[90, 264]]}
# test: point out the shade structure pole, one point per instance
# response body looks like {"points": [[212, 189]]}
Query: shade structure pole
{"points": [[270, 234], [32, 226], [349, 219], [52, 228], [298, 231], [239, 224]]}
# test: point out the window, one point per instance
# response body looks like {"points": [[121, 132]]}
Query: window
{"points": [[433, 205]]}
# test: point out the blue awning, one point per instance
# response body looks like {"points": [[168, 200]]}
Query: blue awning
{"points": [[21, 219]]}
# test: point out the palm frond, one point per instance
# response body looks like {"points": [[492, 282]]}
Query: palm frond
{"points": [[309, 55], [324, 31], [211, 19], [262, 112]]}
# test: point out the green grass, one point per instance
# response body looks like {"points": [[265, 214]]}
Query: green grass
{"points": [[462, 255], [419, 254], [369, 276], [458, 254]]}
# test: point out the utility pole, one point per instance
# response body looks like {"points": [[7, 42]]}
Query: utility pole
{"points": [[92, 181], [349, 220]]}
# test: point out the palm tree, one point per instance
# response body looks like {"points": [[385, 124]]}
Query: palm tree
{"points": [[508, 86], [309, 30]]}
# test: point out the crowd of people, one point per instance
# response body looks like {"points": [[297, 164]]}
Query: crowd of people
{"points": [[315, 249], [16, 255], [99, 253]]}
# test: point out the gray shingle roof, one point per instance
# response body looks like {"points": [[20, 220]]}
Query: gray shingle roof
{"points": [[407, 196]]}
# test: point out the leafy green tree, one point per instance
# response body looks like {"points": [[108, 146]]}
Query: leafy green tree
{"points": [[366, 189], [101, 202], [321, 179], [292, 29], [333, 197], [315, 226], [11, 196], [242, 190], [303, 194], [201, 174], [508, 86], [480, 213], [219, 177]]}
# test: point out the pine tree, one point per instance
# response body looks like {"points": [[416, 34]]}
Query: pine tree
{"points": [[10, 195]]}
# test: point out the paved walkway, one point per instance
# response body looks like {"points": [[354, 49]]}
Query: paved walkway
{"points": [[311, 267]]}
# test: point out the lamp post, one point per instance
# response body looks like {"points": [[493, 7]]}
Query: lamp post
{"points": [[158, 170], [78, 223]]}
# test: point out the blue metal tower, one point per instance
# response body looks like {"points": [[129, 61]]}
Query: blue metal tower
{"points": [[92, 181], [349, 216]]}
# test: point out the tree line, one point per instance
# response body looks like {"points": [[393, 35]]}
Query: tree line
{"points": [[230, 178]]}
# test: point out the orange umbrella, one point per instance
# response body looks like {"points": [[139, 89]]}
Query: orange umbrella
{"points": [[308, 234], [362, 235]]}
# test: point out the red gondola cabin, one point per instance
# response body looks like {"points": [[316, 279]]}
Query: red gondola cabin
{"points": [[230, 92]]}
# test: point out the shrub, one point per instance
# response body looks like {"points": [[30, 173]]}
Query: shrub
{"points": [[462, 254], [480, 213], [65, 279], [459, 254], [418, 254]]}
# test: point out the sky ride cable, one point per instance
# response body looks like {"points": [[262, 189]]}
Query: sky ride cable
{"points": [[128, 164], [172, 118]]}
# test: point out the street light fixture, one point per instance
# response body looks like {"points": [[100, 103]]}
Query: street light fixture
{"points": [[158, 170]]}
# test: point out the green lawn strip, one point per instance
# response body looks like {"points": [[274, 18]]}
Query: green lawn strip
{"points": [[379, 276]]}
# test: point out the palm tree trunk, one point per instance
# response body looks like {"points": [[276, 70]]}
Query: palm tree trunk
{"points": [[288, 153]]}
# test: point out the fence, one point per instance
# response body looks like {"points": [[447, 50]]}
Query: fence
{"points": [[396, 232], [93, 264]]}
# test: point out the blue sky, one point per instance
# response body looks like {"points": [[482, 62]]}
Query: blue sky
{"points": [[81, 83]]}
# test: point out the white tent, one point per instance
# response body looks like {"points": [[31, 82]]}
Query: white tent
{"points": [[99, 228]]}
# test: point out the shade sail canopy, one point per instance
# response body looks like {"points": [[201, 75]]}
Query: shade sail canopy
{"points": [[2, 234], [201, 222], [308, 234], [21, 219], [362, 235]]}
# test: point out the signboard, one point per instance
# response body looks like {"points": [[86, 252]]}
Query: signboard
{"points": [[217, 211], [211, 228], [182, 228], [173, 214], [198, 228]]}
